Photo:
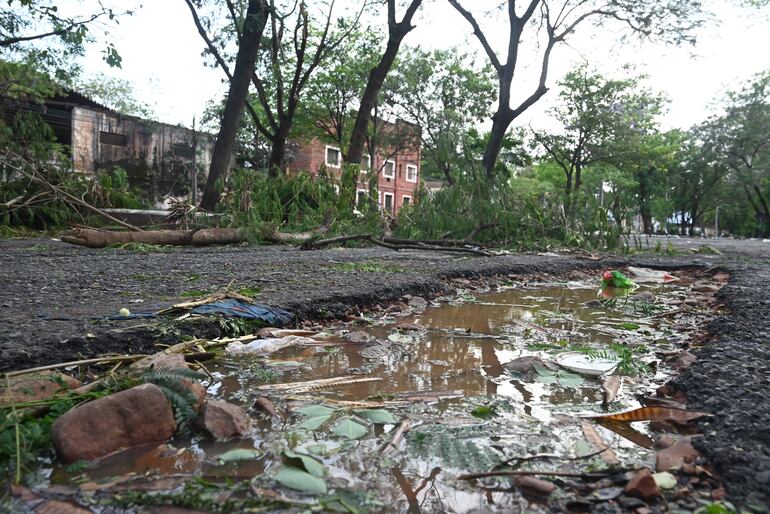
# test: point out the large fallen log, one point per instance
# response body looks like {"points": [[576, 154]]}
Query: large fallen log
{"points": [[94, 238]]}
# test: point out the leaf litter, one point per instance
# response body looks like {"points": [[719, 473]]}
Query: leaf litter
{"points": [[442, 403]]}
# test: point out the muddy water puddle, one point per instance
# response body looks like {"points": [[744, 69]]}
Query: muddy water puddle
{"points": [[438, 380]]}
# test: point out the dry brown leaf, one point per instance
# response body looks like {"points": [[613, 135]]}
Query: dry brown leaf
{"points": [[610, 389], [652, 413], [598, 443]]}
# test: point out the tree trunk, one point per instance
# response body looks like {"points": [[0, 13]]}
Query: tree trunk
{"points": [[277, 155], [256, 18], [500, 123], [396, 34]]}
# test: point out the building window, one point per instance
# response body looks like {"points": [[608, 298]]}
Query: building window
{"points": [[333, 157], [389, 170], [361, 196], [411, 173], [406, 200], [112, 138], [366, 163], [388, 201], [183, 150]]}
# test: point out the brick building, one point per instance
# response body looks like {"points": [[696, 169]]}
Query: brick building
{"points": [[397, 164], [160, 159]]}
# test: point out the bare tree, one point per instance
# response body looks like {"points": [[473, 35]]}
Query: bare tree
{"points": [[397, 30], [254, 24], [671, 20]]}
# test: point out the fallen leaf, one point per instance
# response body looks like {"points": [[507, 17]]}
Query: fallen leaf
{"points": [[299, 480], [598, 443], [610, 389], [305, 462], [533, 486], [237, 455], [350, 429], [380, 416], [652, 413]]}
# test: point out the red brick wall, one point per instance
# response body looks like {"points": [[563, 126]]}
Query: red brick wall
{"points": [[311, 156]]}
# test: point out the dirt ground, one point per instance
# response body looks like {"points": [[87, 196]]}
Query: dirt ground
{"points": [[55, 297]]}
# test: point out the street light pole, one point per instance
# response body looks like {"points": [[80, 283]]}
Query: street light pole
{"points": [[716, 224]]}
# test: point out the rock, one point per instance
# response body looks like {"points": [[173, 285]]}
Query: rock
{"points": [[642, 486], [525, 365], [265, 405], [644, 296], [674, 456], [418, 303], [359, 337], [161, 360], [222, 420], [533, 486], [133, 417], [174, 361], [664, 441], [665, 480], [684, 361], [36, 386], [701, 287]]}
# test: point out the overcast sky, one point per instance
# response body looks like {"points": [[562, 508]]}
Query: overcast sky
{"points": [[161, 53]]}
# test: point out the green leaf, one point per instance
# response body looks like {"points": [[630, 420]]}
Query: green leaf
{"points": [[312, 411], [238, 454], [350, 429], [314, 423], [299, 480], [377, 416], [627, 325], [483, 411], [301, 461], [398, 337]]}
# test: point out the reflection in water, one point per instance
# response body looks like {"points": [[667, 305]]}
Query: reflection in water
{"points": [[464, 348]]}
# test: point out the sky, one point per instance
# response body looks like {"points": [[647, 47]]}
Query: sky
{"points": [[161, 53]]}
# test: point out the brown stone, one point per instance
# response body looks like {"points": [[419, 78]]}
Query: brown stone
{"points": [[264, 405], [222, 420], [664, 441], [359, 336], [137, 416], [418, 303], [174, 361], [674, 456], [642, 486], [533, 486], [684, 361], [35, 386], [701, 287]]}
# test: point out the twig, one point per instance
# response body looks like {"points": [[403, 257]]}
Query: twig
{"points": [[474, 476], [402, 429], [547, 456], [120, 358], [16, 428], [58, 191]]}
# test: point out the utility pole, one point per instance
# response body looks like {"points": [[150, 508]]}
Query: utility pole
{"points": [[716, 224], [194, 173]]}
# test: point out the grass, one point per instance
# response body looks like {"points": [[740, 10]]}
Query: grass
{"points": [[193, 293], [249, 292], [142, 247], [368, 267]]}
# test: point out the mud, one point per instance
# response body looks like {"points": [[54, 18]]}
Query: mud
{"points": [[52, 293]]}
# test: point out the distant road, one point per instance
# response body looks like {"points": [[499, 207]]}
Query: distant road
{"points": [[755, 248]]}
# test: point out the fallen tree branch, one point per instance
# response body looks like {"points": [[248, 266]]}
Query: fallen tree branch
{"points": [[402, 429], [403, 244], [94, 238], [96, 360]]}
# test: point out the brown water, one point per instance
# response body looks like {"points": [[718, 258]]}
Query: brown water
{"points": [[458, 357]]}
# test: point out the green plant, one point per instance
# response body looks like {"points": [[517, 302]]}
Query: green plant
{"points": [[175, 382]]}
